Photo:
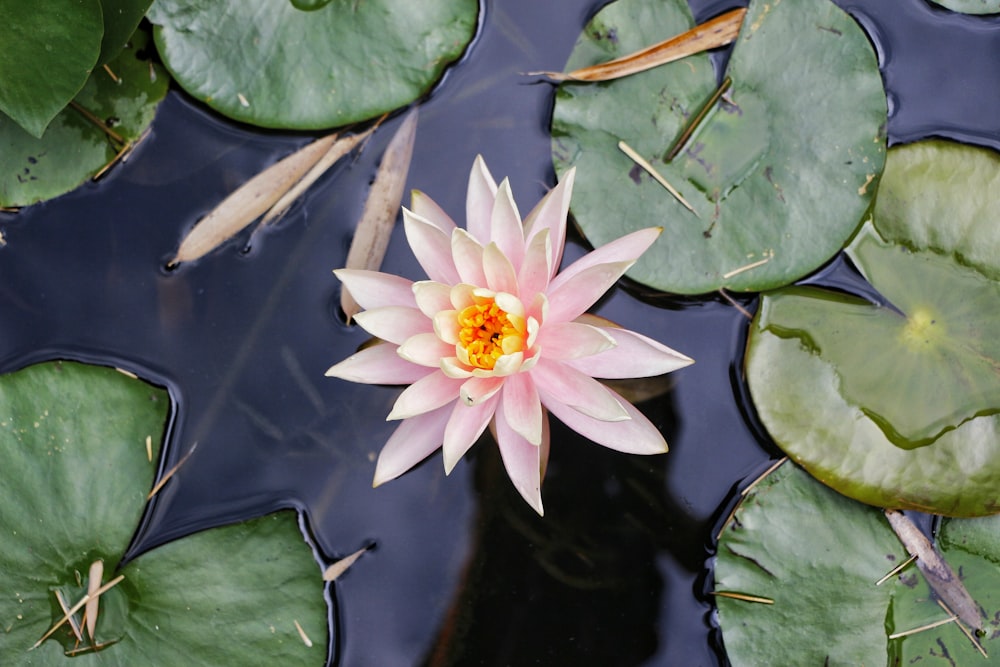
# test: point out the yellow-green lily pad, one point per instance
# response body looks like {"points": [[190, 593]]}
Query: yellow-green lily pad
{"points": [[780, 172], [895, 403]]}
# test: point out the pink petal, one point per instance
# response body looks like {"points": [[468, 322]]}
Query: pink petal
{"points": [[525, 462], [634, 356], [500, 275], [572, 340], [431, 246], [475, 390], [570, 299], [372, 289], [522, 408], [556, 381], [550, 213], [468, 255], [432, 297], [479, 201], [378, 364], [616, 256], [427, 208], [464, 427], [636, 435], [411, 442], [505, 226], [394, 323], [535, 269], [425, 350], [426, 394]]}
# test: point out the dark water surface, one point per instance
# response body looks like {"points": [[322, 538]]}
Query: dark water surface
{"points": [[462, 571]]}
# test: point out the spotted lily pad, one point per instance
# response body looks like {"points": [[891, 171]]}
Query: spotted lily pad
{"points": [[73, 147], [780, 172], [74, 481], [817, 556], [896, 403], [273, 63]]}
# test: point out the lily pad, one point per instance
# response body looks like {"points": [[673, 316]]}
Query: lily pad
{"points": [[270, 63], [817, 556], [75, 478], [896, 404], [74, 148], [49, 51], [121, 18], [970, 6], [780, 172]]}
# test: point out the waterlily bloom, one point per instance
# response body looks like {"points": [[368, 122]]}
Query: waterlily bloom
{"points": [[498, 335]]}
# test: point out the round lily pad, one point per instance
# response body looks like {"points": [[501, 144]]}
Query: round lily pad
{"points": [[74, 482], [816, 556], [49, 50], [971, 6], [781, 170], [896, 403], [273, 63], [74, 148], [121, 18]]}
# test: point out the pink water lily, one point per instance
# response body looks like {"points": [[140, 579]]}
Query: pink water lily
{"points": [[498, 335]]}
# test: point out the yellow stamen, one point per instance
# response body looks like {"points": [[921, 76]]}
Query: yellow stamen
{"points": [[487, 332]]}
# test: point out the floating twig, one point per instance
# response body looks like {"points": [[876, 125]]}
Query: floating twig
{"points": [[371, 238], [697, 120], [922, 628], [642, 162], [896, 570], [91, 608], [743, 495], [965, 630], [114, 77], [743, 597], [149, 448], [249, 201], [302, 633], [121, 156], [128, 374], [720, 31], [170, 473], [72, 621], [734, 303], [938, 574], [86, 113], [331, 573], [75, 608], [748, 267]]}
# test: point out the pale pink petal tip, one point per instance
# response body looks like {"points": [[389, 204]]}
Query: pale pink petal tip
{"points": [[413, 441]]}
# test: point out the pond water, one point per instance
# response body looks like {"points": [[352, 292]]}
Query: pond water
{"points": [[461, 570]]}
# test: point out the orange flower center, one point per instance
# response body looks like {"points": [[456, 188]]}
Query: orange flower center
{"points": [[487, 332]]}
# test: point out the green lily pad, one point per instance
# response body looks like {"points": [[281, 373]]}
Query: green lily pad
{"points": [[269, 63], [817, 556], [73, 148], [49, 50], [970, 6], [896, 405], [780, 172], [74, 481], [121, 18]]}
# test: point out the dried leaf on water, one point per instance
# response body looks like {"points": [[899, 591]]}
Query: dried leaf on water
{"points": [[331, 573], [720, 31], [381, 208], [90, 610], [250, 200]]}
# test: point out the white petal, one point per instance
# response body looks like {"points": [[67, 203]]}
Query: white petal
{"points": [[425, 350], [499, 272], [373, 289], [476, 390], [432, 297], [533, 277], [634, 356], [394, 323], [479, 200], [568, 300], [424, 395], [411, 442], [522, 408], [508, 364], [377, 364], [464, 427], [453, 368], [431, 246], [626, 249], [505, 226], [572, 340], [427, 208], [580, 392]]}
